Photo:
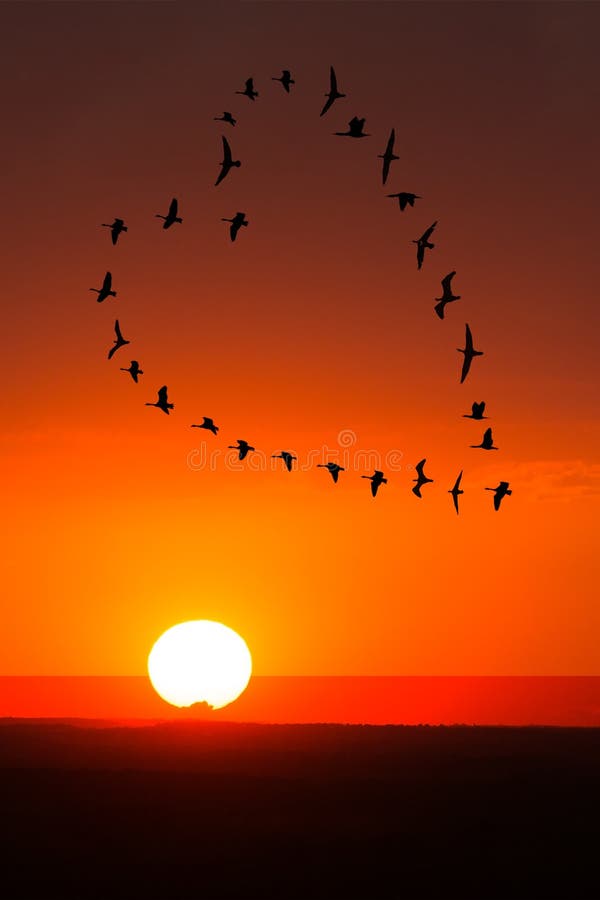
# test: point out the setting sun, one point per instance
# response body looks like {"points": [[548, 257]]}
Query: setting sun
{"points": [[200, 662]]}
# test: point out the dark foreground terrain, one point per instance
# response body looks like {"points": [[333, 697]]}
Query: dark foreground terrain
{"points": [[325, 811]]}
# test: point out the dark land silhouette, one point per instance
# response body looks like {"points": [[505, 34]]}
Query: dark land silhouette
{"points": [[320, 811]]}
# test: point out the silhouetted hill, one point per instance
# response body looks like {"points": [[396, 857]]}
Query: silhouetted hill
{"points": [[227, 810]]}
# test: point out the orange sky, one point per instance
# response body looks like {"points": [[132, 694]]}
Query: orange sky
{"points": [[315, 322]]}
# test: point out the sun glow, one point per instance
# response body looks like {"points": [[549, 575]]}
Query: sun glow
{"points": [[200, 661]]}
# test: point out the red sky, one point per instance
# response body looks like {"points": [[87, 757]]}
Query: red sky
{"points": [[315, 322]]}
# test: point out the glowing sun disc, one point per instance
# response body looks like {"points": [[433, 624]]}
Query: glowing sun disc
{"points": [[200, 661]]}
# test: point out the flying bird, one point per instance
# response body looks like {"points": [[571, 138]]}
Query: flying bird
{"points": [[249, 89], [119, 342], [134, 369], [388, 156], [171, 215], [423, 244], [226, 117], [106, 289], [208, 424], [333, 469], [405, 198], [163, 402], [237, 222], [447, 296], [469, 353], [456, 492], [243, 448], [476, 411], [500, 492], [355, 129], [376, 479], [115, 229], [286, 457], [333, 94], [228, 162], [422, 478], [285, 79], [487, 443]]}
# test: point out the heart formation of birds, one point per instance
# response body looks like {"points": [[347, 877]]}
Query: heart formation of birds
{"points": [[238, 221]]}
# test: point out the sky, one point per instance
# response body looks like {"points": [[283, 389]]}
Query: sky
{"points": [[313, 332]]}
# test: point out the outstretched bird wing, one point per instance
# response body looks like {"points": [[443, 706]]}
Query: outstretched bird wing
{"points": [[249, 84], [417, 490], [390, 144], [106, 284], [118, 331], [468, 340], [335, 474], [427, 234], [162, 395], [332, 81], [419, 467], [465, 368], [446, 281], [488, 440], [439, 308], [226, 152]]}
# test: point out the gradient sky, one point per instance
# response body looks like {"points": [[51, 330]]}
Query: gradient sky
{"points": [[314, 324]]}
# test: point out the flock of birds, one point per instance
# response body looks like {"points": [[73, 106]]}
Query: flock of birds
{"points": [[238, 220]]}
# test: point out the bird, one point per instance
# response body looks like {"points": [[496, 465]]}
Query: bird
{"points": [[469, 353], [115, 229], [226, 117], [285, 79], [171, 215], [119, 342], [228, 162], [376, 479], [388, 156], [163, 402], [423, 244], [249, 89], [422, 479], [333, 94], [500, 492], [286, 457], [456, 492], [134, 369], [208, 424], [476, 411], [236, 223], [333, 469], [487, 443], [447, 296], [355, 129], [404, 198], [106, 289], [243, 448]]}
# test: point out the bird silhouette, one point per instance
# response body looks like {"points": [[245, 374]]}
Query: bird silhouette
{"points": [[405, 198], [106, 289], [388, 156], [456, 492], [249, 89], [469, 353], [285, 79], [333, 469], [119, 342], [226, 117], [333, 94], [115, 229], [243, 448], [422, 478], [171, 215], [487, 443], [163, 402], [134, 369], [237, 222], [355, 129], [500, 492], [286, 457], [228, 162], [424, 244], [376, 479], [447, 296], [476, 411], [208, 424]]}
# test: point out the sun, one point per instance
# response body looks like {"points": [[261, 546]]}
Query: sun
{"points": [[200, 661]]}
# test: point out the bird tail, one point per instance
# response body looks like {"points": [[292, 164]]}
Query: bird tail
{"points": [[509, 493], [112, 293], [477, 352], [430, 246], [384, 480], [177, 219], [124, 228]]}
